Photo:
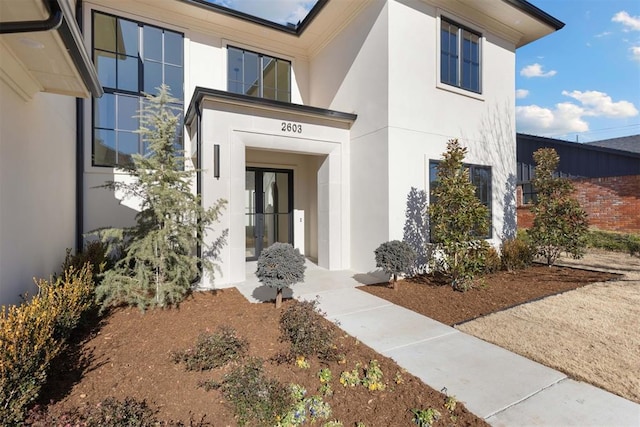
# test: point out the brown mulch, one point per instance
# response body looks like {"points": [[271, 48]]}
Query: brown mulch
{"points": [[434, 298], [129, 355]]}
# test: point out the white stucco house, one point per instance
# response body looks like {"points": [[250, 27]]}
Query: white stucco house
{"points": [[314, 132]]}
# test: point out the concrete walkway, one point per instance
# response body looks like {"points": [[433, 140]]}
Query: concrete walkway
{"points": [[502, 387]]}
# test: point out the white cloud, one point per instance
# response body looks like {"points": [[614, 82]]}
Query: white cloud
{"points": [[603, 34], [568, 117], [599, 104], [631, 23], [535, 70], [635, 52], [522, 93], [564, 118]]}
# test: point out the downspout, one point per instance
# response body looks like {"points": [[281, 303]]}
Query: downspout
{"points": [[52, 23], [79, 157], [199, 178]]}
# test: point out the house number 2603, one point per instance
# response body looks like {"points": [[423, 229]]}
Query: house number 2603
{"points": [[291, 127]]}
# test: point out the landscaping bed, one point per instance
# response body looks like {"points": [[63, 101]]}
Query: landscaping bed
{"points": [[434, 298], [130, 355]]}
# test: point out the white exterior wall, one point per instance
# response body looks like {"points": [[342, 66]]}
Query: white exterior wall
{"points": [[37, 188], [351, 75]]}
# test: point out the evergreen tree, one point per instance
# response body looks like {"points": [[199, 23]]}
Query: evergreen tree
{"points": [[416, 230], [560, 224], [159, 262], [458, 219]]}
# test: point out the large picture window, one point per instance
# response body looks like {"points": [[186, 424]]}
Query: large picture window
{"points": [[459, 56], [480, 176], [255, 74], [132, 59]]}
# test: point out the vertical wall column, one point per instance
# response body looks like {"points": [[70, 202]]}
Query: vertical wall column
{"points": [[330, 211]]}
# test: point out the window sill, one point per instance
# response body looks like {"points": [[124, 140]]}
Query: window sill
{"points": [[460, 91]]}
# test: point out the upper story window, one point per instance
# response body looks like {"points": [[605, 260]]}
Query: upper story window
{"points": [[459, 56], [132, 59], [480, 176], [259, 75]]}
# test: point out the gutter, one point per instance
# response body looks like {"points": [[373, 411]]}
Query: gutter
{"points": [[61, 19], [537, 13]]}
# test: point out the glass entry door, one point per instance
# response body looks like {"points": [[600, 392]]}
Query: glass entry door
{"points": [[268, 209]]}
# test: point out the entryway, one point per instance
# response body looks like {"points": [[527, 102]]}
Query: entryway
{"points": [[268, 209]]}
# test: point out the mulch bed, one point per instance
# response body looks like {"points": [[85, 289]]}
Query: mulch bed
{"points": [[129, 355], [434, 298]]}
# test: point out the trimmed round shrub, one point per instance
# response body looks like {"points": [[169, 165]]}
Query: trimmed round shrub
{"points": [[279, 267], [395, 257]]}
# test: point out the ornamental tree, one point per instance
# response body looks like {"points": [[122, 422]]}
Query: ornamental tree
{"points": [[560, 224], [458, 219], [279, 267], [395, 257], [159, 260]]}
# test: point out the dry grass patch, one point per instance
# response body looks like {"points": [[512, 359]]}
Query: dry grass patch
{"points": [[591, 334]]}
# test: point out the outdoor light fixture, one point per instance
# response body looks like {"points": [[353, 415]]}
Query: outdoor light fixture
{"points": [[216, 161]]}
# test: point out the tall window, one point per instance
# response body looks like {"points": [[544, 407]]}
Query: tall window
{"points": [[459, 56], [131, 58], [259, 75], [480, 176]]}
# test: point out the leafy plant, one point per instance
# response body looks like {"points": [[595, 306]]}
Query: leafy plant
{"points": [[517, 253], [351, 378], [213, 350], [373, 376], [395, 257], [306, 331], [94, 253], [612, 241], [560, 224], [457, 217], [253, 396], [491, 261], [425, 417], [325, 376], [279, 267], [33, 333], [160, 262], [304, 408]]}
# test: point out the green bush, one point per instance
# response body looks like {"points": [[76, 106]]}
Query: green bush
{"points": [[279, 267], [612, 241], [213, 350], [254, 397], [307, 332], [517, 253], [395, 257], [492, 261], [94, 253], [33, 333]]}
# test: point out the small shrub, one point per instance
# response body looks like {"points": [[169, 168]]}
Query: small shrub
{"points": [[94, 253], [213, 350], [279, 267], [492, 261], [255, 397], [395, 257], [517, 253], [306, 331], [612, 241], [34, 333], [425, 417]]}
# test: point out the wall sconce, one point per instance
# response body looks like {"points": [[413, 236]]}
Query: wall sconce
{"points": [[216, 161]]}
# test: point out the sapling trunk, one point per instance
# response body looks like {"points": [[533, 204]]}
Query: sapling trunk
{"points": [[278, 298], [395, 282]]}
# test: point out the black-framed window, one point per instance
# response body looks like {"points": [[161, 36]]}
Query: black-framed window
{"points": [[254, 74], [132, 58], [480, 176], [459, 56], [529, 194]]}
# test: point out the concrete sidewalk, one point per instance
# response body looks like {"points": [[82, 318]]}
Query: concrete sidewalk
{"points": [[502, 387]]}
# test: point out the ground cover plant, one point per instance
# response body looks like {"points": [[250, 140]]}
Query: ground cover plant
{"points": [[612, 241], [131, 356]]}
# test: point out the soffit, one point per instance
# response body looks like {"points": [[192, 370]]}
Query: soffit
{"points": [[499, 17], [36, 61]]}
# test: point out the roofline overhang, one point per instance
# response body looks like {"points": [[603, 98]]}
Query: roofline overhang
{"points": [[583, 146], [293, 29], [536, 13], [201, 93], [62, 20]]}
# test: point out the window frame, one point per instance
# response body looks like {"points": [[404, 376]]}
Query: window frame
{"points": [[471, 167], [261, 86], [458, 86], [117, 92]]}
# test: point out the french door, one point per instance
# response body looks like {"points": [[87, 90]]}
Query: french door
{"points": [[268, 209]]}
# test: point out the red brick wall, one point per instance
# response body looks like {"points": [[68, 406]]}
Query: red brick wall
{"points": [[612, 203]]}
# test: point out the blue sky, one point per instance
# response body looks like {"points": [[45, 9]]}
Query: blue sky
{"points": [[582, 82]]}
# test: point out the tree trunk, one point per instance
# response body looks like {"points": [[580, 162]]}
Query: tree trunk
{"points": [[395, 282], [278, 298]]}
